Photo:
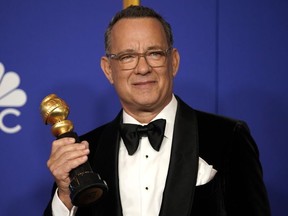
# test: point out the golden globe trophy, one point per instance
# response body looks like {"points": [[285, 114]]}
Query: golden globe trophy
{"points": [[86, 186]]}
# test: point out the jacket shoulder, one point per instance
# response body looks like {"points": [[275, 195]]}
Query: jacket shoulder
{"points": [[222, 137]]}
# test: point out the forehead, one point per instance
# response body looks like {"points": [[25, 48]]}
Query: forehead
{"points": [[137, 34]]}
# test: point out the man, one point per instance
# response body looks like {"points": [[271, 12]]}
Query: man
{"points": [[206, 164]]}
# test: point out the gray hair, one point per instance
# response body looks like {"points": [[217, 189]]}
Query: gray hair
{"points": [[137, 12]]}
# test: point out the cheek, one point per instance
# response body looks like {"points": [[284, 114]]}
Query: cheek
{"points": [[169, 75], [119, 80], [114, 75]]}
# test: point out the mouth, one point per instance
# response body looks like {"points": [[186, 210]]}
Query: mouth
{"points": [[144, 83]]}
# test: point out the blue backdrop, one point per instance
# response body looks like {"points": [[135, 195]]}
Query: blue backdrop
{"points": [[234, 61]]}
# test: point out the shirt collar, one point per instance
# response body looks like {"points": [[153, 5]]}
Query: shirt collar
{"points": [[168, 113]]}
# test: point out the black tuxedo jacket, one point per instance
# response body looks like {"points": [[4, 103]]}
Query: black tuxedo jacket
{"points": [[236, 189]]}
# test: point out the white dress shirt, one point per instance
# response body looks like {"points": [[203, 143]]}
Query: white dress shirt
{"points": [[142, 176]]}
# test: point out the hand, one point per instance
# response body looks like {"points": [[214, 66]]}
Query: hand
{"points": [[65, 156]]}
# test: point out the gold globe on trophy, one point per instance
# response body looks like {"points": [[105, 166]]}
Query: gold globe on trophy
{"points": [[86, 186]]}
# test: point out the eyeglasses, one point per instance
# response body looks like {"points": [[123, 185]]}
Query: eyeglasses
{"points": [[130, 60]]}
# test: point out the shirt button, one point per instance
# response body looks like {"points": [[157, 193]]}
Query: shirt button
{"points": [[146, 156], [146, 188]]}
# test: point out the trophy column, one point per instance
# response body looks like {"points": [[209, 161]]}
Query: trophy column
{"points": [[86, 186]]}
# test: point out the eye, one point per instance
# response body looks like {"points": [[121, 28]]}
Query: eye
{"points": [[127, 57], [155, 54]]}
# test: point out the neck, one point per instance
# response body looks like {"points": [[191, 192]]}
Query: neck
{"points": [[146, 115], [143, 117]]}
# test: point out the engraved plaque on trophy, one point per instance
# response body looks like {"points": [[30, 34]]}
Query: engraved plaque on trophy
{"points": [[86, 186]]}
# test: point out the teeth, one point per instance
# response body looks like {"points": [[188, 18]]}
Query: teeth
{"points": [[10, 95]]}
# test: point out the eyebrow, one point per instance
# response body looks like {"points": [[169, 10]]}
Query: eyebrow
{"points": [[134, 51]]}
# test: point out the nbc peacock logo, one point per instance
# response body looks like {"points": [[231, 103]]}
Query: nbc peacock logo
{"points": [[11, 97]]}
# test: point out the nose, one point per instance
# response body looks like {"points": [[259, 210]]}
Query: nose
{"points": [[142, 67]]}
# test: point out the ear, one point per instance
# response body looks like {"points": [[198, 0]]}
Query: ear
{"points": [[106, 68], [175, 61]]}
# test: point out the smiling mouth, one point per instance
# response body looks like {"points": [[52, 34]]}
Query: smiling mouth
{"points": [[144, 83]]}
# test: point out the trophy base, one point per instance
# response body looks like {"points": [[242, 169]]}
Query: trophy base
{"points": [[87, 189]]}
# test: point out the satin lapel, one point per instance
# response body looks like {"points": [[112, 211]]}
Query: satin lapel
{"points": [[107, 161], [181, 180]]}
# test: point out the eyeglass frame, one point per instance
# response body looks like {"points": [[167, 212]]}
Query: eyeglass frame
{"points": [[138, 55]]}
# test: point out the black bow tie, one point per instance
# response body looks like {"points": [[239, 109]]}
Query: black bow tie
{"points": [[132, 133]]}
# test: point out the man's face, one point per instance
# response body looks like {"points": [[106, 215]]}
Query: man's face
{"points": [[143, 88]]}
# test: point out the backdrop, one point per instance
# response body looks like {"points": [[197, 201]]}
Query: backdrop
{"points": [[234, 61]]}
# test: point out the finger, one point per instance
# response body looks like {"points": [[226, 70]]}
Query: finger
{"points": [[84, 142], [61, 170], [67, 154], [65, 148], [61, 142]]}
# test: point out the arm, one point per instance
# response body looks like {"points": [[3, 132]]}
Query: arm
{"points": [[245, 190], [65, 156]]}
